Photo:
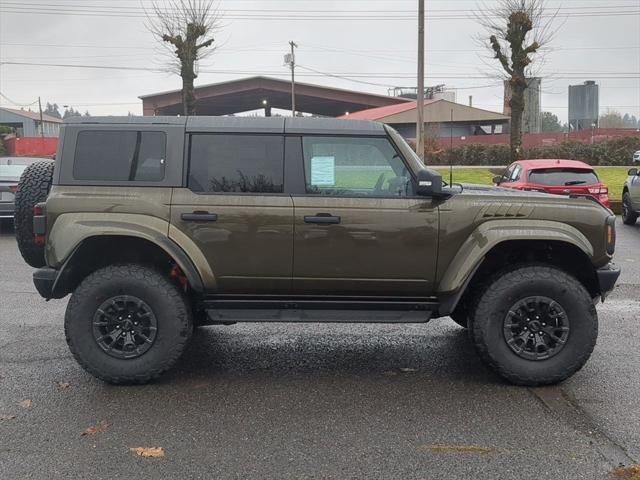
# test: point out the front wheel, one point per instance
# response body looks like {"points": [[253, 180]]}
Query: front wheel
{"points": [[127, 324], [534, 325]]}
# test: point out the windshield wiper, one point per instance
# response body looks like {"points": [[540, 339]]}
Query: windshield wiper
{"points": [[575, 182]]}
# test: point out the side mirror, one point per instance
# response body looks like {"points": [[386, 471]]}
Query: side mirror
{"points": [[497, 179], [429, 183], [633, 172]]}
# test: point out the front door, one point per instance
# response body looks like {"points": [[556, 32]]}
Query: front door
{"points": [[236, 213], [359, 230]]}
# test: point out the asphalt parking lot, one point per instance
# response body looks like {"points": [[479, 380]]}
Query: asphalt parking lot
{"points": [[315, 401]]}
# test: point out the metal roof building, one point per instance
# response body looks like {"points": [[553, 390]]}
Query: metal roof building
{"points": [[442, 117], [256, 93], [27, 123]]}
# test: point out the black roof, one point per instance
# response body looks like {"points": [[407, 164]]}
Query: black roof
{"points": [[302, 125]]}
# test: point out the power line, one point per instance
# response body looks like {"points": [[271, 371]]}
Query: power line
{"points": [[16, 103], [103, 11], [390, 75], [124, 8]]}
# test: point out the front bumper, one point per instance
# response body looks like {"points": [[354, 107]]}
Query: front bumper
{"points": [[607, 278]]}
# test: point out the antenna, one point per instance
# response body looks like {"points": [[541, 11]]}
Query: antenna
{"points": [[450, 156]]}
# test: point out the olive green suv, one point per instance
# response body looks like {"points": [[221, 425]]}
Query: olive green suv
{"points": [[157, 225]]}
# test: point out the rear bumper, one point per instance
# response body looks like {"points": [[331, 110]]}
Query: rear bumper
{"points": [[45, 279], [607, 278]]}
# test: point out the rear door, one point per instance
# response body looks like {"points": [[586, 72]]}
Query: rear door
{"points": [[359, 230], [235, 211]]}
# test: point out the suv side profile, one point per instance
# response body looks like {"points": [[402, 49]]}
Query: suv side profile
{"points": [[156, 225]]}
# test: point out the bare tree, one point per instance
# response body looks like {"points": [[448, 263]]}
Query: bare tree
{"points": [[516, 31], [186, 28]]}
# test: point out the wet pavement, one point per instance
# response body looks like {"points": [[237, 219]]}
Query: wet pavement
{"points": [[315, 401]]}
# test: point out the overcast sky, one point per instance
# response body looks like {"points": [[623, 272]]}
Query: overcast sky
{"points": [[370, 41]]}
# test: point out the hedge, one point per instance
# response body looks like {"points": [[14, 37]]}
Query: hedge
{"points": [[616, 152]]}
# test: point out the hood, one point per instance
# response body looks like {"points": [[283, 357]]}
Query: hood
{"points": [[490, 193], [499, 191]]}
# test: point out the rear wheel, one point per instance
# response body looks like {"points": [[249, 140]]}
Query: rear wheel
{"points": [[33, 188], [127, 324], [629, 216], [534, 325]]}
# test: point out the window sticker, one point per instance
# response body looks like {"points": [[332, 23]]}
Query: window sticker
{"points": [[323, 171]]}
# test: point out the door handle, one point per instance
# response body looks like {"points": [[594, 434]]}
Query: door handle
{"points": [[199, 217], [322, 219]]}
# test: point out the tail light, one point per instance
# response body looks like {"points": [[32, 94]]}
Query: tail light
{"points": [[13, 188], [599, 191], [39, 223]]}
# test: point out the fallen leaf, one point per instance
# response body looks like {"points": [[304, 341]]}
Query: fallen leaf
{"points": [[26, 404], [99, 428], [7, 417], [458, 449], [627, 473], [63, 385], [408, 370], [154, 452]]}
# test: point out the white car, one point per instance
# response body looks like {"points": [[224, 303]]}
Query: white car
{"points": [[636, 157]]}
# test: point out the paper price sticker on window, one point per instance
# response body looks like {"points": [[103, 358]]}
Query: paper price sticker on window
{"points": [[323, 171]]}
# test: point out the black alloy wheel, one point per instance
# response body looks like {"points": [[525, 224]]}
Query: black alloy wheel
{"points": [[536, 328], [125, 327]]}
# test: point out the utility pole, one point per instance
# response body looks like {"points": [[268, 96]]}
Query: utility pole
{"points": [[41, 121], [292, 64], [420, 96]]}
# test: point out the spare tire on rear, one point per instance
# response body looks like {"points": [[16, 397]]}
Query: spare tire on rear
{"points": [[33, 188]]}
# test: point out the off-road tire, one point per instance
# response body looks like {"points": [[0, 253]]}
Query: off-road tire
{"points": [[33, 188], [509, 286], [168, 303], [629, 217]]}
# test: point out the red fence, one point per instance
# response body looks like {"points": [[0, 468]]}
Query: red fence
{"points": [[31, 146], [531, 140]]}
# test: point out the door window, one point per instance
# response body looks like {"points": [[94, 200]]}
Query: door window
{"points": [[506, 176], [236, 164], [354, 166], [515, 175]]}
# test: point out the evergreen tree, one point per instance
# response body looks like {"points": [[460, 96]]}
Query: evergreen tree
{"points": [[52, 110]]}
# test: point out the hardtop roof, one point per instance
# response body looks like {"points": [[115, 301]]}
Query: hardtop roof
{"points": [[296, 125]]}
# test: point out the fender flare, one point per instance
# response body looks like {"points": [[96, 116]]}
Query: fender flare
{"points": [[486, 237], [154, 230]]}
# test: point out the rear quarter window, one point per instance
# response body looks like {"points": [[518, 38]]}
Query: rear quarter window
{"points": [[563, 177], [120, 156]]}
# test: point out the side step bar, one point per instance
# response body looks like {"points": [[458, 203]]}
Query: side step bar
{"points": [[317, 310]]}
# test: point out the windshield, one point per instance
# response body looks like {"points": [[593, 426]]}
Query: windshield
{"points": [[563, 177], [406, 150]]}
